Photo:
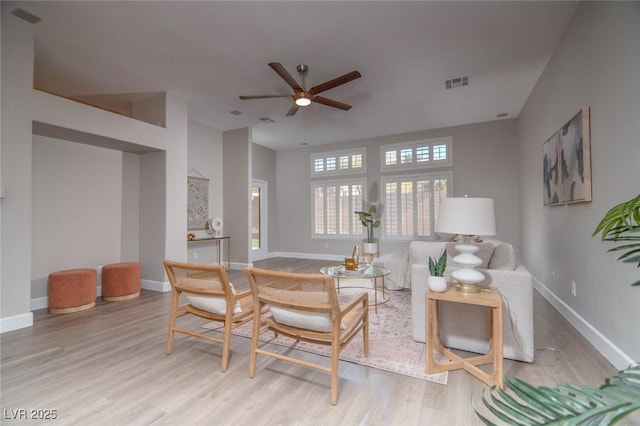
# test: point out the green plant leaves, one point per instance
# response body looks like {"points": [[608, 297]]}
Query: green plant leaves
{"points": [[521, 403], [437, 267], [622, 224]]}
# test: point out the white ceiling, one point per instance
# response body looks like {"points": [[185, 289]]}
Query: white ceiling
{"points": [[209, 53]]}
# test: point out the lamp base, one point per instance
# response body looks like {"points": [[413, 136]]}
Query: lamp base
{"points": [[467, 288]]}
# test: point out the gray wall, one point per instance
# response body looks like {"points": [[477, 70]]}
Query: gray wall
{"points": [[264, 168], [597, 64], [77, 202], [485, 165], [237, 191]]}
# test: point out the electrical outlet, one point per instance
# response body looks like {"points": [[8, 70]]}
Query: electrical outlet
{"points": [[326, 245], [195, 255], [573, 288]]}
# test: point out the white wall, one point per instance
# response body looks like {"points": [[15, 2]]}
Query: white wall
{"points": [[597, 64], [205, 157], [77, 205], [484, 165], [21, 107]]}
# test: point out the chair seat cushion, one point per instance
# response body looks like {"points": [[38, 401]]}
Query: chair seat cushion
{"points": [[315, 321], [213, 304]]}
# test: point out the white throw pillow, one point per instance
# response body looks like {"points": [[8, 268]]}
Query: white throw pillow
{"points": [[316, 321], [213, 304]]}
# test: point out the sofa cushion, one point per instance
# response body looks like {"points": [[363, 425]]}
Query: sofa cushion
{"points": [[485, 252], [504, 257]]}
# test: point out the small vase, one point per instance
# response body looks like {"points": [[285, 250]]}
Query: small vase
{"points": [[437, 284], [370, 248]]}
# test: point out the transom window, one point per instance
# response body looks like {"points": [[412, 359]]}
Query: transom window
{"points": [[333, 208], [338, 163], [412, 204], [419, 154]]}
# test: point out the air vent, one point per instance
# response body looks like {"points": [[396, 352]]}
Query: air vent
{"points": [[23, 14], [457, 82], [235, 112], [267, 120]]}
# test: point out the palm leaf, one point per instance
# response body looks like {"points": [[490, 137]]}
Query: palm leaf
{"points": [[521, 403], [622, 224]]}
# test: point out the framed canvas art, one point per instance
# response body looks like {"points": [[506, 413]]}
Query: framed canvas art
{"points": [[551, 170], [575, 159], [197, 202]]}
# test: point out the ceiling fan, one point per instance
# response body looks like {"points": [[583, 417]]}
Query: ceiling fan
{"points": [[301, 96]]}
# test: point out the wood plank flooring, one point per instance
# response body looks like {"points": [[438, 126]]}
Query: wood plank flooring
{"points": [[107, 365]]}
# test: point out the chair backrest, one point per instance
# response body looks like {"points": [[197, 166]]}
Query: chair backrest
{"points": [[303, 300], [200, 280]]}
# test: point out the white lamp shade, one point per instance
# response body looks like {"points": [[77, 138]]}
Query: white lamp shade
{"points": [[467, 216]]}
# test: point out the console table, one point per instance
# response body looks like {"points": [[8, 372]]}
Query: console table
{"points": [[489, 297], [218, 241]]}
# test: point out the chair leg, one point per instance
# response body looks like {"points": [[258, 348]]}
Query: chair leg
{"points": [[365, 333], [172, 321], [335, 362], [226, 345], [254, 339]]}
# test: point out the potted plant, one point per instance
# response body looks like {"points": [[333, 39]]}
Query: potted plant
{"points": [[437, 281], [622, 224], [370, 245]]}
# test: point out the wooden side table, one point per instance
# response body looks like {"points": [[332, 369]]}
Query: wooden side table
{"points": [[489, 297]]}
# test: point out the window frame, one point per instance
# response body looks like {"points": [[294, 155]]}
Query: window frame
{"points": [[414, 177], [413, 146], [325, 156], [355, 228]]}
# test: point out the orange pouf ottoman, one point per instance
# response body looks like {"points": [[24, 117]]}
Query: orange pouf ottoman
{"points": [[72, 290], [121, 281]]}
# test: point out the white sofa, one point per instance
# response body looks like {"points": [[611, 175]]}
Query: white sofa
{"points": [[464, 326]]}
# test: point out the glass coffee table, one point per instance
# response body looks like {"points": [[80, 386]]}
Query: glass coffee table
{"points": [[371, 272]]}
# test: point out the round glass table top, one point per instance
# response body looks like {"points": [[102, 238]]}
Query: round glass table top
{"points": [[363, 271]]}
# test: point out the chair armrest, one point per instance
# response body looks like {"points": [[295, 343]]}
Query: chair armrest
{"points": [[361, 299]]}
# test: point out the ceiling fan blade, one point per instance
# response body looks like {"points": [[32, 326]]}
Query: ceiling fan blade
{"points": [[332, 103], [292, 110], [322, 87], [279, 69], [264, 96]]}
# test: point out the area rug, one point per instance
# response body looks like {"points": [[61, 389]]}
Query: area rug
{"points": [[391, 346]]}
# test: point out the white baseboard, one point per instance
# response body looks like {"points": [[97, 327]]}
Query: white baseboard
{"points": [[312, 256], [161, 286], [16, 322], [614, 354]]}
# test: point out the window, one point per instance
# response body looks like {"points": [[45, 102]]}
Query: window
{"points": [[412, 203], [413, 155], [338, 163], [333, 206]]}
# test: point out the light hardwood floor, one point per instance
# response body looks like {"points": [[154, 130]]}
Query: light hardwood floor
{"points": [[107, 365]]}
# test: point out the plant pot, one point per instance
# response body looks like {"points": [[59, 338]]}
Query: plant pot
{"points": [[437, 284], [370, 248]]}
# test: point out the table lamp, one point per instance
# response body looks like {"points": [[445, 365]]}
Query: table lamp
{"points": [[468, 217]]}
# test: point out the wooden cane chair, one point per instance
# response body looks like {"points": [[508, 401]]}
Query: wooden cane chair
{"points": [[208, 293], [305, 307]]}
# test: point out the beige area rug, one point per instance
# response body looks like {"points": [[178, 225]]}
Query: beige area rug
{"points": [[391, 346]]}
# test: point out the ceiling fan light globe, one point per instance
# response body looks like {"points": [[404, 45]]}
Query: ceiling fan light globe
{"points": [[303, 102], [301, 99]]}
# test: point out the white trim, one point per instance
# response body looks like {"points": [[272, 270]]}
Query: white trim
{"points": [[614, 354], [414, 164], [16, 322], [236, 266], [263, 251], [337, 171], [312, 256], [160, 286]]}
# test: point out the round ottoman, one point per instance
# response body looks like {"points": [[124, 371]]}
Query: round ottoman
{"points": [[72, 290], [121, 281]]}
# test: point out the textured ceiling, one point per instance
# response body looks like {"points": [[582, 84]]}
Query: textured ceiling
{"points": [[209, 53]]}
